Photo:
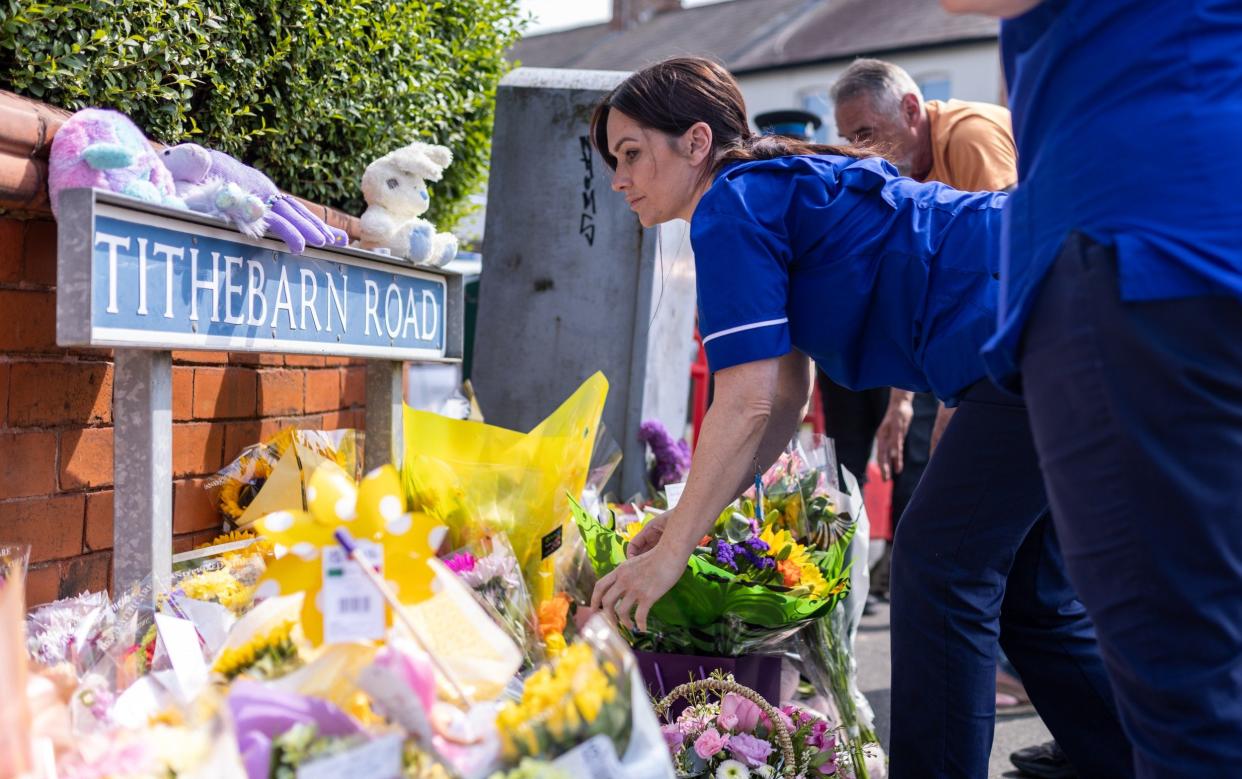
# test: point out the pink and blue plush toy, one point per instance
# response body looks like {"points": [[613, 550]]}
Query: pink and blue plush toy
{"points": [[105, 150]]}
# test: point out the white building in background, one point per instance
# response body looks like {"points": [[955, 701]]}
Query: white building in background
{"points": [[787, 53]]}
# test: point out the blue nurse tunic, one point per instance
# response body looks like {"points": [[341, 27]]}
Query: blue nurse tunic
{"points": [[883, 281]]}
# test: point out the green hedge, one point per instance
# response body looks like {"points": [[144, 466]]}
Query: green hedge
{"points": [[308, 91]]}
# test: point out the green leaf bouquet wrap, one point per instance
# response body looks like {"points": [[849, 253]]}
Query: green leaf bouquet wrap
{"points": [[713, 610]]}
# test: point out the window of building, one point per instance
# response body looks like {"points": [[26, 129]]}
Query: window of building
{"points": [[936, 86]]}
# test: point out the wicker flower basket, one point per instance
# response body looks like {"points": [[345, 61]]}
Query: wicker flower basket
{"points": [[722, 686]]}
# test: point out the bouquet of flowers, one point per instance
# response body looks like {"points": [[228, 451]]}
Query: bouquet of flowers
{"points": [[491, 569], [271, 476], [583, 692], [745, 589], [729, 732]]}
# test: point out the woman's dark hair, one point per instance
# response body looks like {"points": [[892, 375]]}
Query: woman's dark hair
{"points": [[671, 96]]}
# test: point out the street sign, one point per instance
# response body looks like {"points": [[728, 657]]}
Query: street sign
{"points": [[148, 277]]}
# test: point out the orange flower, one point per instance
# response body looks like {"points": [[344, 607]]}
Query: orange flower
{"points": [[790, 572], [553, 615]]}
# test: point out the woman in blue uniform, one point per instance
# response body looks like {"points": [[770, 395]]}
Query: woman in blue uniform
{"points": [[811, 251]]}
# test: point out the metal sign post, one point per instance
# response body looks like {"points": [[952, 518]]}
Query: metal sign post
{"points": [[144, 280]]}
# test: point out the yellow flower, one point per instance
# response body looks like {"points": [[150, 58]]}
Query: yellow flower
{"points": [[811, 577], [218, 586], [555, 644], [238, 490], [235, 661]]}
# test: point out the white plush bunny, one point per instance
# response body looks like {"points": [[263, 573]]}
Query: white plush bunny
{"points": [[395, 187]]}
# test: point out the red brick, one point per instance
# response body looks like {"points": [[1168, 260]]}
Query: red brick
{"points": [[337, 420], [60, 393], [280, 392], [52, 526], [12, 243], [193, 507], [42, 584], [198, 448], [4, 394], [27, 464], [257, 358], [201, 358], [353, 387], [40, 252], [182, 393], [224, 393], [323, 390], [88, 573], [305, 361], [183, 543], [272, 426], [99, 521], [27, 321], [86, 458], [239, 435], [337, 362]]}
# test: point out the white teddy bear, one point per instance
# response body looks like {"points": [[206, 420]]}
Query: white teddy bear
{"points": [[395, 187]]}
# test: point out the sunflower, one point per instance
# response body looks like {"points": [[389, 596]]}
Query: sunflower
{"points": [[239, 490]]}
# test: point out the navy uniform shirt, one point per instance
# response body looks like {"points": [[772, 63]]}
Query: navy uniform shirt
{"points": [[1128, 119], [883, 281]]}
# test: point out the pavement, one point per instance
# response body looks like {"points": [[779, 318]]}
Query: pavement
{"points": [[872, 649]]}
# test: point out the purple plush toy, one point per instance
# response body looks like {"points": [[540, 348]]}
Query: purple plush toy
{"points": [[195, 167], [103, 149]]}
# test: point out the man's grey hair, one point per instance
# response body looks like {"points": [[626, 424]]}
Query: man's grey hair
{"points": [[885, 82]]}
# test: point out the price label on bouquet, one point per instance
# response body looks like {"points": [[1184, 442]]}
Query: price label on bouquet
{"points": [[353, 610], [672, 492], [595, 758]]}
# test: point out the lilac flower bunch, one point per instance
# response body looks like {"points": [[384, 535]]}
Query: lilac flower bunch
{"points": [[671, 456]]}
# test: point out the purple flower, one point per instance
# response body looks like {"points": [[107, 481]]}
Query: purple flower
{"points": [[672, 737], [750, 750], [462, 562], [672, 457], [725, 553], [819, 737]]}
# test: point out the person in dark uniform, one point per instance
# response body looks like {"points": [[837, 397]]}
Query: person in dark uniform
{"points": [[806, 252]]}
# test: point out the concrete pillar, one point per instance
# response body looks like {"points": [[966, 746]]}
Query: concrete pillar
{"points": [[571, 282]]}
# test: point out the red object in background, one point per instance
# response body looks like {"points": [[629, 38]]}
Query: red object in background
{"points": [[878, 497], [700, 382], [700, 377]]}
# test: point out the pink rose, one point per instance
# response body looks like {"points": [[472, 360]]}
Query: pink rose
{"points": [[737, 713], [750, 750], [784, 718], [710, 743], [672, 737]]}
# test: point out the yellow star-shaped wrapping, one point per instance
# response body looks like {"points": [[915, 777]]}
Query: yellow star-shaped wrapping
{"points": [[373, 510]]}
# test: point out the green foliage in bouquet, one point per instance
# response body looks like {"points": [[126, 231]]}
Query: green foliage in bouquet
{"points": [[306, 91], [718, 610]]}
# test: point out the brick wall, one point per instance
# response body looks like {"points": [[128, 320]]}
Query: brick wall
{"points": [[56, 404]]}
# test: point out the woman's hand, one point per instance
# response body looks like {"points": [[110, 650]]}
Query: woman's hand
{"points": [[633, 587], [649, 536]]}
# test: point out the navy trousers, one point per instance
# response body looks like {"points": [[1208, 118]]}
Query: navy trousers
{"points": [[1136, 409], [975, 559]]}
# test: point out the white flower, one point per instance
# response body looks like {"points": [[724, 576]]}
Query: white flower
{"points": [[732, 769], [765, 772]]}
